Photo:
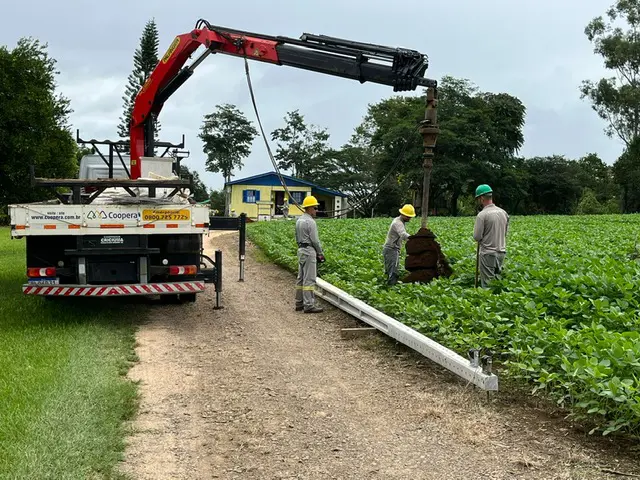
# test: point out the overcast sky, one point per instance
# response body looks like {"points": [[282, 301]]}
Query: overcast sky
{"points": [[536, 51]]}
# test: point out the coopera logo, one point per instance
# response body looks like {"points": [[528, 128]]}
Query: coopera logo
{"points": [[102, 215], [93, 214]]}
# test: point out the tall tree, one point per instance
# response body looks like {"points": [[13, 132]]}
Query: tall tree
{"points": [[218, 201], [351, 169], [479, 134], [392, 128], [626, 172], [554, 185], [301, 148], [227, 135], [617, 99], [145, 59], [597, 176], [34, 126]]}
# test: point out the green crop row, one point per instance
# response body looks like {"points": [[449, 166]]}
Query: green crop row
{"points": [[564, 317]]}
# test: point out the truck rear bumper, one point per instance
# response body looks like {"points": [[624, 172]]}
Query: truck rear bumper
{"points": [[170, 288]]}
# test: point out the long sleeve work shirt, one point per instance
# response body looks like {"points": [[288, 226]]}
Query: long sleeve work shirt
{"points": [[396, 235], [307, 232], [491, 228]]}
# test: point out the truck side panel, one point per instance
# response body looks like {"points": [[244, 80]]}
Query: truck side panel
{"points": [[53, 220]]}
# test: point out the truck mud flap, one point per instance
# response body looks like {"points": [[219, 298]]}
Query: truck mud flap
{"points": [[169, 288]]}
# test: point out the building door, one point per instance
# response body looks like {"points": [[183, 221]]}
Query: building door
{"points": [[322, 208], [279, 200]]}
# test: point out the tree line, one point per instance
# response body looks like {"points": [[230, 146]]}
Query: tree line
{"points": [[380, 166]]}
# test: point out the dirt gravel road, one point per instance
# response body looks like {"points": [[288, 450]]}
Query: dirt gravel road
{"points": [[259, 391]]}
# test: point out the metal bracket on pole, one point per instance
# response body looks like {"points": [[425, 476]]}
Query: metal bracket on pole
{"points": [[407, 336], [218, 284], [242, 246]]}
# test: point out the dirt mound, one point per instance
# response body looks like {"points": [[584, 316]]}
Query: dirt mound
{"points": [[425, 259], [419, 261]]}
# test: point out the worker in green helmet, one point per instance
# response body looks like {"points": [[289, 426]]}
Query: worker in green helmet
{"points": [[490, 231]]}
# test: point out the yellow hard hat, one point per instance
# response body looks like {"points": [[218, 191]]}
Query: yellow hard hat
{"points": [[408, 210], [310, 201]]}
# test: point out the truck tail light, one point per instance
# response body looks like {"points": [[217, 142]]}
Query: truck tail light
{"points": [[41, 272], [183, 270]]}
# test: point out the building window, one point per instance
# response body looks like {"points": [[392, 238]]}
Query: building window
{"points": [[250, 196], [298, 197]]}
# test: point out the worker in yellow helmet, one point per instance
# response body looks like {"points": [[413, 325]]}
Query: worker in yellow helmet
{"points": [[309, 254], [395, 236]]}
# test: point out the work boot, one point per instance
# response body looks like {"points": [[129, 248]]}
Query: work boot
{"points": [[299, 308], [314, 309]]}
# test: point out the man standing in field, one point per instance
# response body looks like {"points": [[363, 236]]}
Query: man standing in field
{"points": [[309, 254], [395, 236], [490, 231]]}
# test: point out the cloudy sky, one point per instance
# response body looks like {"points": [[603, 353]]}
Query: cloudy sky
{"points": [[536, 51]]}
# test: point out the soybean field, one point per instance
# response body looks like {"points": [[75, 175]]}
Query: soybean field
{"points": [[562, 320]]}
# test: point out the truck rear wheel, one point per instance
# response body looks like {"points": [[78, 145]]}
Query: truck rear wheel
{"points": [[169, 299], [178, 298], [187, 297]]}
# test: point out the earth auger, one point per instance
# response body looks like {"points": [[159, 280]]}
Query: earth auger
{"points": [[425, 260]]}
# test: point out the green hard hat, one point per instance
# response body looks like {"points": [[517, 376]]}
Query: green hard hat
{"points": [[483, 190]]}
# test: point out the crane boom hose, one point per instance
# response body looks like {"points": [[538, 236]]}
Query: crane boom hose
{"points": [[401, 68]]}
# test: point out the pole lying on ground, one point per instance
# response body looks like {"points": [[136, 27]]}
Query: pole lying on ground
{"points": [[472, 371]]}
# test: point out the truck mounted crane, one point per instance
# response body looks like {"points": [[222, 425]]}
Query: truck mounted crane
{"points": [[141, 234]]}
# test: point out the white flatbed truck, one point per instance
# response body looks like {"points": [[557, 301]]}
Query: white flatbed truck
{"points": [[116, 236]]}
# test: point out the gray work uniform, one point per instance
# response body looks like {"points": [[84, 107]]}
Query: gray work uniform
{"points": [[490, 230], [308, 249], [391, 249]]}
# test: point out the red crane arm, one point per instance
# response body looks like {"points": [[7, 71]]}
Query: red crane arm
{"points": [[150, 99], [319, 53]]}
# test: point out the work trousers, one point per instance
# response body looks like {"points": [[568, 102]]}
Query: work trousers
{"points": [[306, 281], [490, 266], [391, 258]]}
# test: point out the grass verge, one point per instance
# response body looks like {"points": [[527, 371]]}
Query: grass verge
{"points": [[63, 395]]}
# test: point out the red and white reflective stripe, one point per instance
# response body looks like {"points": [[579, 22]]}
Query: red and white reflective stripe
{"points": [[112, 290]]}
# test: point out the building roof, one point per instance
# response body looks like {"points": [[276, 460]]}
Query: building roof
{"points": [[271, 179]]}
